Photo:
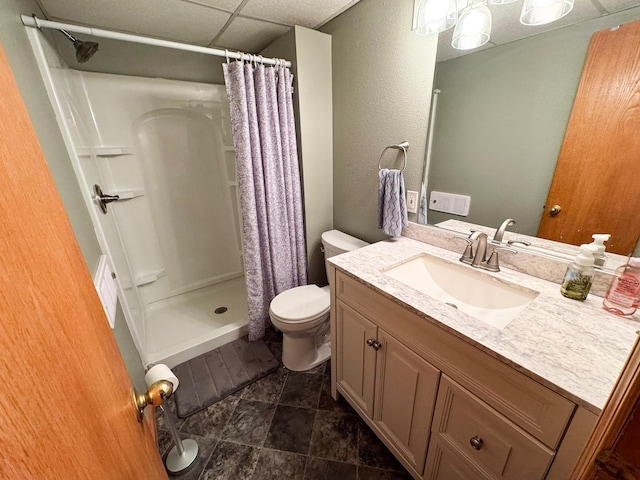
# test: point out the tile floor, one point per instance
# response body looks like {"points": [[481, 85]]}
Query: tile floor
{"points": [[284, 426]]}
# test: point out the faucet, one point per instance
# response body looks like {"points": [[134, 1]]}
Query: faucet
{"points": [[497, 238], [479, 260]]}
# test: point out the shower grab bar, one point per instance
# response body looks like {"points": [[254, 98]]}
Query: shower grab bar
{"points": [[404, 146]]}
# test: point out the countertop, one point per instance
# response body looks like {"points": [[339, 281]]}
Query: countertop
{"points": [[574, 348]]}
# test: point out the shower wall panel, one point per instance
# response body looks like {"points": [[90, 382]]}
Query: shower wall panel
{"points": [[185, 178], [179, 223]]}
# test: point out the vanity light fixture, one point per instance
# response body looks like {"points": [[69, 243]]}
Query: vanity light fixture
{"points": [[472, 19]]}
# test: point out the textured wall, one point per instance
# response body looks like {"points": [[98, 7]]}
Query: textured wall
{"points": [[20, 55], [382, 83]]}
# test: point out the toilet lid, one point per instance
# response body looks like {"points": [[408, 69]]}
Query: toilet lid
{"points": [[300, 304]]}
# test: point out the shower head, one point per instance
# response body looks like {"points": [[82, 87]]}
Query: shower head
{"points": [[84, 50]]}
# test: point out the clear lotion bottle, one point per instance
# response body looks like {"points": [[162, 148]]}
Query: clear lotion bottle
{"points": [[623, 295], [579, 275]]}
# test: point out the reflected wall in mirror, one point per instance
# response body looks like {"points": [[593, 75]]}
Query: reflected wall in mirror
{"points": [[501, 119]]}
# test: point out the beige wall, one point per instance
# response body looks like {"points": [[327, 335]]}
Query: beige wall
{"points": [[382, 83], [21, 58], [310, 53]]}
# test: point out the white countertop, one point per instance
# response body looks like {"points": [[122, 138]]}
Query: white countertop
{"points": [[575, 348]]}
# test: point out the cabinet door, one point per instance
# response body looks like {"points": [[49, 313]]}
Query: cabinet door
{"points": [[356, 360], [406, 389]]}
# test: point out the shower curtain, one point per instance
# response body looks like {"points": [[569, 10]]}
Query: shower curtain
{"points": [[260, 100]]}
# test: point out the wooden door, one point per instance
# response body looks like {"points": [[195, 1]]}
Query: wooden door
{"points": [[597, 177], [65, 409], [613, 449], [406, 387], [356, 360]]}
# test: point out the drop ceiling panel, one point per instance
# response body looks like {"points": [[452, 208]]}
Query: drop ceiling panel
{"points": [[507, 26], [617, 5], [307, 13], [227, 5], [171, 19], [250, 35]]}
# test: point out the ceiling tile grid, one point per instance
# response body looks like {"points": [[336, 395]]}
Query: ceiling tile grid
{"points": [[169, 19], [226, 5], [250, 35], [307, 13]]}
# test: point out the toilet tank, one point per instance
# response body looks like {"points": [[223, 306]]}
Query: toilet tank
{"points": [[336, 242]]}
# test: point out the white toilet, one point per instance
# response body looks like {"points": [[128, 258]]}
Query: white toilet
{"points": [[302, 313]]}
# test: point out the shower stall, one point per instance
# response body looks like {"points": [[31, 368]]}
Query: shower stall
{"points": [[173, 237]]}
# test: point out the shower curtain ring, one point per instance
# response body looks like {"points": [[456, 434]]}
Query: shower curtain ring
{"points": [[226, 54], [35, 19]]}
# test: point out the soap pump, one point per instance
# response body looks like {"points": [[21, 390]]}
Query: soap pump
{"points": [[598, 242], [579, 274]]}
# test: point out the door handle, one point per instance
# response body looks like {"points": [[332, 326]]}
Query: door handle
{"points": [[102, 199], [155, 395], [555, 210]]}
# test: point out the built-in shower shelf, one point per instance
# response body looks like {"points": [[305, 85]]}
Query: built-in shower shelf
{"points": [[104, 151], [148, 277]]}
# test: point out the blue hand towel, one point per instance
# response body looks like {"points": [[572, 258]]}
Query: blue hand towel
{"points": [[392, 208]]}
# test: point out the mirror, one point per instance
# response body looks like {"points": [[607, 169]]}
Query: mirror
{"points": [[500, 121]]}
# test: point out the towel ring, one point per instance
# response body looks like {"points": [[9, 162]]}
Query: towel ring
{"points": [[400, 146]]}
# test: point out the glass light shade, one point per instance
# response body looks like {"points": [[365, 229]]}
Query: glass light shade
{"points": [[540, 12], [435, 16], [473, 28]]}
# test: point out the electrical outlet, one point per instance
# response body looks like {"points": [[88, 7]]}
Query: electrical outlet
{"points": [[412, 201]]}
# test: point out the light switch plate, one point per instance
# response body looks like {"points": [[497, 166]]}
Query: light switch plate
{"points": [[450, 203], [412, 201], [106, 288]]}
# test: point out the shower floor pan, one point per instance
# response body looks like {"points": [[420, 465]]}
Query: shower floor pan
{"points": [[185, 326]]}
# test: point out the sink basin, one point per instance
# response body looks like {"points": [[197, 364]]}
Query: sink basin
{"points": [[475, 293]]}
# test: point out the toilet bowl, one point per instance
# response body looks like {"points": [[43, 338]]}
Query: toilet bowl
{"points": [[302, 313]]}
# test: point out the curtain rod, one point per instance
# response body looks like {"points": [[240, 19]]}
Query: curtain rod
{"points": [[34, 21]]}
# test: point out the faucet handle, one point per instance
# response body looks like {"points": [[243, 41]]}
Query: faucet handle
{"points": [[519, 242], [467, 256], [493, 264]]}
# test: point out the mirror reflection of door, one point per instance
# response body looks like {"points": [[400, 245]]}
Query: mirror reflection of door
{"points": [[597, 178]]}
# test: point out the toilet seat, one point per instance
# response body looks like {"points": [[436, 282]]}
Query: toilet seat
{"points": [[300, 304]]}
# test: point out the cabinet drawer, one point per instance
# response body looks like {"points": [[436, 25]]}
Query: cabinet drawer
{"points": [[535, 408], [484, 438]]}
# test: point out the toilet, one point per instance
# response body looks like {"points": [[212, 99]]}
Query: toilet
{"points": [[302, 313]]}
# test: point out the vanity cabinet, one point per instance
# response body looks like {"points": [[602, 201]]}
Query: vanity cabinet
{"points": [[388, 383], [445, 408]]}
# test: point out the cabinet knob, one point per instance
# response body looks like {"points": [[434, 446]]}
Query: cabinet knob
{"points": [[374, 344], [476, 442]]}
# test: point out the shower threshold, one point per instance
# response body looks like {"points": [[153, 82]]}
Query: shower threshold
{"points": [[187, 325]]}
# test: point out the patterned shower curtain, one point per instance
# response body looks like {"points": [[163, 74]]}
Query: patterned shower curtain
{"points": [[264, 136]]}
